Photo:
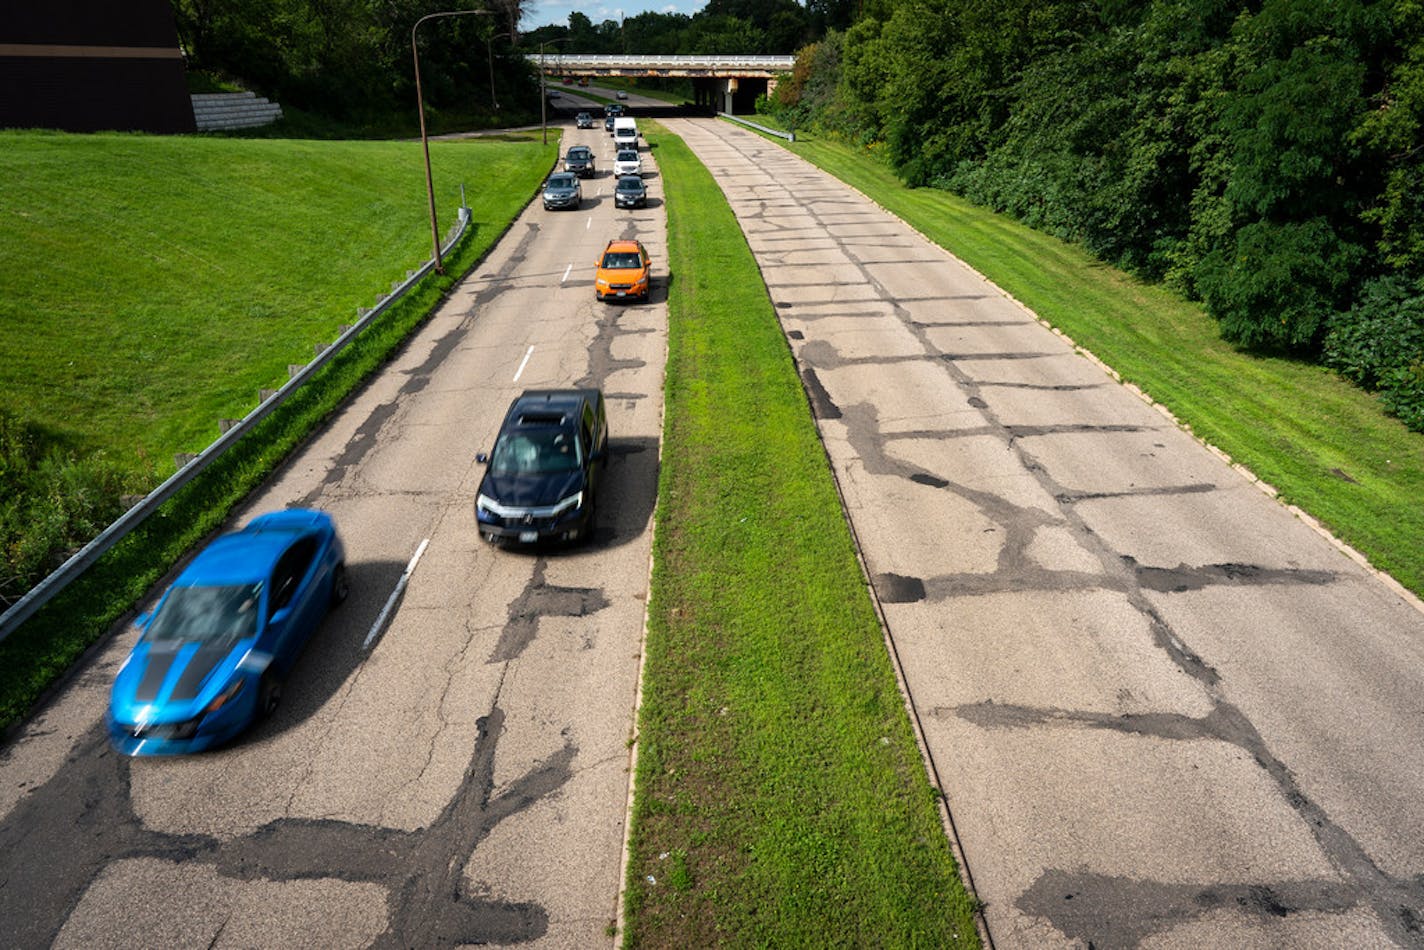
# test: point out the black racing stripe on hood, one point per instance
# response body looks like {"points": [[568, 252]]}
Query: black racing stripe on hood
{"points": [[197, 670], [155, 671]]}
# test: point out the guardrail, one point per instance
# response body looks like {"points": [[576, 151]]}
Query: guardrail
{"points": [[789, 136], [24, 608]]}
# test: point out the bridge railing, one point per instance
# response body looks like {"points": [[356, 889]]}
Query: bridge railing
{"points": [[559, 61]]}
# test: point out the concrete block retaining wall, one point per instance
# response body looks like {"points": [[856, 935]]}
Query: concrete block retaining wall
{"points": [[233, 110]]}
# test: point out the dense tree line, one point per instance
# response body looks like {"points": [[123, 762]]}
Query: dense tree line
{"points": [[756, 27], [350, 60], [1264, 156]]}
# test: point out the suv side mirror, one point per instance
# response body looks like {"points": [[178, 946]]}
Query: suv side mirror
{"points": [[482, 458]]}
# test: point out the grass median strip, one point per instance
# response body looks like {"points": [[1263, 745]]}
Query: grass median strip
{"points": [[781, 798], [1325, 445]]}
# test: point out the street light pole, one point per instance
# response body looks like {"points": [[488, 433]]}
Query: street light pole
{"points": [[489, 55], [424, 140], [543, 94]]}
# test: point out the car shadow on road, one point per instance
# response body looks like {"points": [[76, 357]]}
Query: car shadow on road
{"points": [[334, 651], [625, 502]]}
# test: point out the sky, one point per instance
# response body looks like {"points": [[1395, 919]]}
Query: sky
{"points": [[543, 12]]}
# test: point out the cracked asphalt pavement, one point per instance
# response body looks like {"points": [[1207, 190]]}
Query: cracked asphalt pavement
{"points": [[465, 779], [1164, 710]]}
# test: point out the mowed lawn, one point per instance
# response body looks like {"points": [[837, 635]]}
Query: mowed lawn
{"points": [[151, 285]]}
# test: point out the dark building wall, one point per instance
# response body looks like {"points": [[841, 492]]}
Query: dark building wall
{"points": [[92, 65]]}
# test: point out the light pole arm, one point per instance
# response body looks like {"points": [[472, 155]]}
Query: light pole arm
{"points": [[424, 140]]}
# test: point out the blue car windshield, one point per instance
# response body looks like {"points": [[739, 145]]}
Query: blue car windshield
{"points": [[208, 615], [536, 452]]}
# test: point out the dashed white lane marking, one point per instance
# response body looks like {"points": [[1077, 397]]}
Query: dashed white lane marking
{"points": [[380, 623], [530, 352], [567, 271]]}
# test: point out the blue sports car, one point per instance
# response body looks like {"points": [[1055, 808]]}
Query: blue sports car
{"points": [[214, 652]]}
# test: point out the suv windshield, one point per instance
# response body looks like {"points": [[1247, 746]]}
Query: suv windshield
{"points": [[211, 615], [579, 152], [615, 260], [536, 452], [561, 181], [630, 184]]}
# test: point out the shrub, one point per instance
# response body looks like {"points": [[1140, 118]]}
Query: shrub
{"points": [[52, 500], [1275, 285], [1379, 344]]}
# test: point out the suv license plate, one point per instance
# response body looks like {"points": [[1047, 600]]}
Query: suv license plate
{"points": [[528, 537]]}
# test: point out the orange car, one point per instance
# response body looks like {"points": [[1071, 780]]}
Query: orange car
{"points": [[624, 270]]}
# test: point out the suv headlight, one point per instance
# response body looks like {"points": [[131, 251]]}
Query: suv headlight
{"points": [[567, 504]]}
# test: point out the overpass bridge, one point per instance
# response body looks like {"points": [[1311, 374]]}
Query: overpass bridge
{"points": [[724, 83]]}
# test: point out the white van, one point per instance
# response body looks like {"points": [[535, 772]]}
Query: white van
{"points": [[625, 132]]}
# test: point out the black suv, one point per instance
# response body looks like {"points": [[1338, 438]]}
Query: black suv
{"points": [[580, 161], [542, 479], [630, 192]]}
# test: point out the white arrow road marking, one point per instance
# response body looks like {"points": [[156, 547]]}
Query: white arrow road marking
{"points": [[380, 623]]}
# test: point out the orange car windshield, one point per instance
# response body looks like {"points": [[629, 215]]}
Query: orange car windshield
{"points": [[616, 261]]}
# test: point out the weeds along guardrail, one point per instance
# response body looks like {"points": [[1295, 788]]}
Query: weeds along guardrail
{"points": [[789, 136], [191, 466]]}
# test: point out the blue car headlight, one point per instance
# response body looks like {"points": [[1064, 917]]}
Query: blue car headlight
{"points": [[226, 696]]}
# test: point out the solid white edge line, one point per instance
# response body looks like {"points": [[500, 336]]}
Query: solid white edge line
{"points": [[395, 595], [528, 353]]}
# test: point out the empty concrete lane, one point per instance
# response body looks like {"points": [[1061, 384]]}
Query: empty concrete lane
{"points": [[456, 775], [1165, 711]]}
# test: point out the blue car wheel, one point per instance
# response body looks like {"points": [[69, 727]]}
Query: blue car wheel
{"points": [[340, 586], [269, 695]]}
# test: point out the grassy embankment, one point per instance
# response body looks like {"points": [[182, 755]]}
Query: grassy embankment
{"points": [[1325, 445], [781, 797], [150, 286]]}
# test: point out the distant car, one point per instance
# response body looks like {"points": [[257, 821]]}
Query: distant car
{"points": [[562, 190], [623, 270], [543, 477], [583, 120], [630, 192], [613, 109], [627, 162], [215, 651], [580, 161], [621, 94], [608, 123]]}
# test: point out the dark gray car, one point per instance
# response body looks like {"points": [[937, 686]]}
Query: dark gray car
{"points": [[562, 190], [580, 161], [630, 192]]}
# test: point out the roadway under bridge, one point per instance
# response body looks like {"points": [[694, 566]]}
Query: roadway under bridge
{"points": [[720, 83]]}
